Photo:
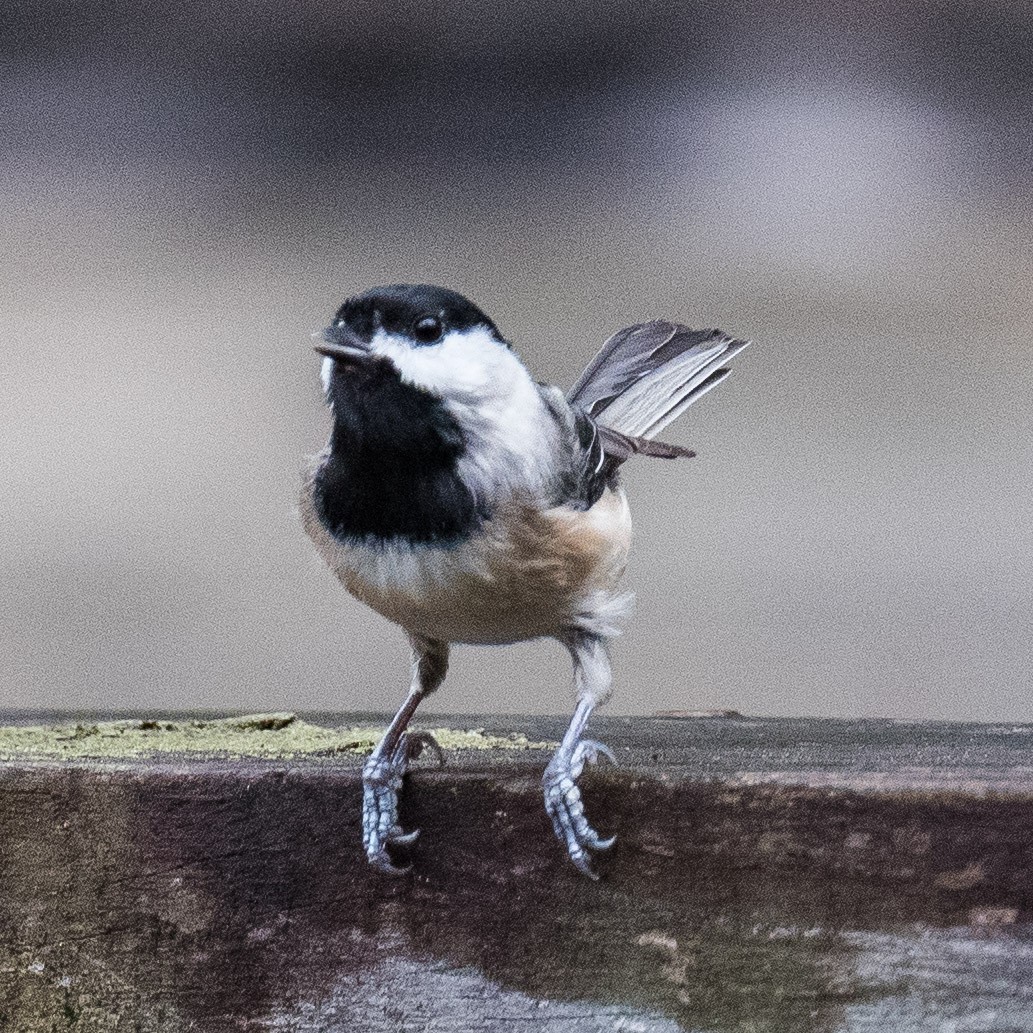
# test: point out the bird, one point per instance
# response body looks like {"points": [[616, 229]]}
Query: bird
{"points": [[466, 502]]}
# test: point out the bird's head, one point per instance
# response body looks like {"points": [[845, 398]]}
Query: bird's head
{"points": [[431, 338], [412, 368]]}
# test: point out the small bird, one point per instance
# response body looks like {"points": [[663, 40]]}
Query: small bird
{"points": [[468, 503]]}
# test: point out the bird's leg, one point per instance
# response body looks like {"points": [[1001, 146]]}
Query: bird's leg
{"points": [[562, 795], [386, 766]]}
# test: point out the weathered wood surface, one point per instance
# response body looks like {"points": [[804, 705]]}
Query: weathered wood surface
{"points": [[211, 895]]}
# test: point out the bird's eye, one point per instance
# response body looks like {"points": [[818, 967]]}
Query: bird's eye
{"points": [[428, 330]]}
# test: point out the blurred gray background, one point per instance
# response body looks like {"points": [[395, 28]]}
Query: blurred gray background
{"points": [[186, 196]]}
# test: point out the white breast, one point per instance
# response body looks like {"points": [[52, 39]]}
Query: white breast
{"points": [[528, 573]]}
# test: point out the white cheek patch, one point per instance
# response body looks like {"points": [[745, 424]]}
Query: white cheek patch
{"points": [[466, 364], [326, 372], [510, 437]]}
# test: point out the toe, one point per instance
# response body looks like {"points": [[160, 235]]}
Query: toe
{"points": [[599, 846], [566, 808], [380, 828], [396, 837]]}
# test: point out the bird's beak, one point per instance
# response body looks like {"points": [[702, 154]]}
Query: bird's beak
{"points": [[341, 342]]}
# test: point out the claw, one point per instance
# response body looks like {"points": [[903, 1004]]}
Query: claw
{"points": [[384, 864], [580, 862], [564, 805], [419, 741], [593, 750]]}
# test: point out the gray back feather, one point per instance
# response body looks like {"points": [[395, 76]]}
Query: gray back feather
{"points": [[646, 375]]}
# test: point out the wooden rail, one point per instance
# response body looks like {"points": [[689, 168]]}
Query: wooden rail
{"points": [[176, 893]]}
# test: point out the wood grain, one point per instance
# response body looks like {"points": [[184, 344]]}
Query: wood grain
{"points": [[193, 895]]}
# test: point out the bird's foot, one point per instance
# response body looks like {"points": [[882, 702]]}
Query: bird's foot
{"points": [[382, 776], [563, 802]]}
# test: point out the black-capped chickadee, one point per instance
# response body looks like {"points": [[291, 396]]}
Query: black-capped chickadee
{"points": [[466, 502]]}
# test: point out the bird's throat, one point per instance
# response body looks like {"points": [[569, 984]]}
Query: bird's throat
{"points": [[390, 469]]}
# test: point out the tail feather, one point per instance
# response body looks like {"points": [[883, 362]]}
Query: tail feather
{"points": [[647, 375]]}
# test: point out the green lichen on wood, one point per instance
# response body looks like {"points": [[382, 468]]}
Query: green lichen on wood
{"points": [[254, 735]]}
